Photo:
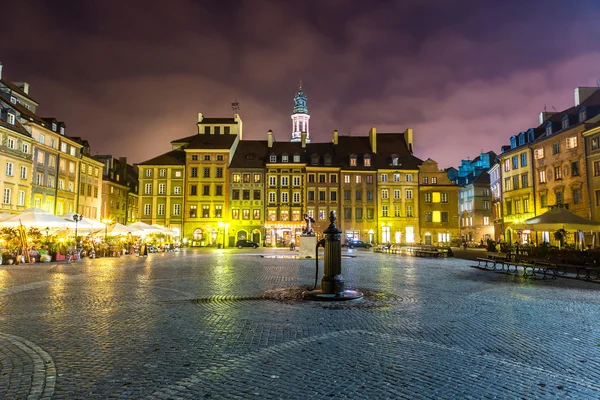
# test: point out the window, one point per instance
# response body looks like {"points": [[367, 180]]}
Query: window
{"points": [[523, 159], [358, 194], [322, 178], [543, 201], [296, 181], [538, 153], [206, 190], [194, 172], [515, 182], [23, 172], [205, 211], [524, 180], [284, 181], [397, 211], [237, 178], [444, 216], [370, 213], [311, 195], [384, 194], [515, 162], [367, 162], [161, 188], [176, 209], [257, 195], [575, 168], [353, 161], [246, 178], [9, 169], [347, 194], [428, 216], [559, 198], [7, 193], [147, 209], [507, 184], [347, 213], [296, 196], [542, 175], [296, 158], [396, 194], [177, 190], [346, 178], [506, 165], [394, 160], [11, 118], [271, 197], [444, 197], [193, 212], [425, 180], [557, 173], [206, 157], [311, 178], [572, 142], [220, 156], [427, 197], [486, 220], [369, 195], [595, 143], [219, 190], [194, 157], [486, 205], [193, 190], [556, 148], [384, 211], [526, 205], [284, 197], [41, 139], [508, 207], [207, 172], [384, 178], [21, 201], [245, 194], [284, 158], [409, 178], [272, 158], [565, 123], [333, 196], [61, 185], [219, 211], [235, 194], [162, 172], [576, 196], [358, 179], [409, 194], [161, 209], [148, 188], [256, 214], [409, 211], [257, 178]]}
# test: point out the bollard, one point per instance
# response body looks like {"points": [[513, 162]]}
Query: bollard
{"points": [[332, 282]]}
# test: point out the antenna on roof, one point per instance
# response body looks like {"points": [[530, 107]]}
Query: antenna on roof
{"points": [[598, 82], [553, 108], [235, 106], [545, 108]]}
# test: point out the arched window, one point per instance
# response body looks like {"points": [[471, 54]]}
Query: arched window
{"points": [[197, 234]]}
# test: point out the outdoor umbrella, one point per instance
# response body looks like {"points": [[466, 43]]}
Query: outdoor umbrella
{"points": [[120, 229], [561, 218], [35, 217], [164, 230], [85, 225], [142, 228]]}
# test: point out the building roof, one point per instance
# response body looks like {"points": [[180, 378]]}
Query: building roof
{"points": [[211, 121], [390, 144], [17, 89], [250, 154], [211, 142], [173, 157], [186, 139]]}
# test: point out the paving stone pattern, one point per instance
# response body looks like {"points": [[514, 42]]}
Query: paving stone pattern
{"points": [[205, 324]]}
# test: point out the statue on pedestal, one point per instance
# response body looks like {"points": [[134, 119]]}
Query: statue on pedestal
{"points": [[308, 231]]}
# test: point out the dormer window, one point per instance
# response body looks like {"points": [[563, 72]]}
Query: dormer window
{"points": [[549, 129], [327, 159], [62, 130], [521, 138], [296, 158], [314, 159], [513, 142], [273, 158], [353, 160], [11, 118], [54, 127], [367, 160], [530, 136], [582, 115], [394, 159], [565, 122], [13, 99], [284, 158]]}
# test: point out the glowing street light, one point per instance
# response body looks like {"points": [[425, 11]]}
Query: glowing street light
{"points": [[76, 218], [106, 222]]}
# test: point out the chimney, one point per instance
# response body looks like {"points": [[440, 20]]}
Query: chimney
{"points": [[200, 118], [583, 93], [335, 137], [373, 139], [24, 86], [303, 136], [408, 136], [270, 138], [544, 115]]}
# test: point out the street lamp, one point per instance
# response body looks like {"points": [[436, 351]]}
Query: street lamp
{"points": [[106, 222], [77, 218]]}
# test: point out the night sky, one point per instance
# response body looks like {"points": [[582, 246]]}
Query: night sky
{"points": [[130, 76]]}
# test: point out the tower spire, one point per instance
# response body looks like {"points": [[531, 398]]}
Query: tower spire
{"points": [[300, 116]]}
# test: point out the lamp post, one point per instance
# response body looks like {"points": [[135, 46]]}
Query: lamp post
{"points": [[77, 218], [47, 234], [106, 222]]}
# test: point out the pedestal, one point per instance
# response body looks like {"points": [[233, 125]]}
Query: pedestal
{"points": [[307, 246]]}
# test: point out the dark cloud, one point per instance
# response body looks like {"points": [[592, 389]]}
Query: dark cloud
{"points": [[466, 75]]}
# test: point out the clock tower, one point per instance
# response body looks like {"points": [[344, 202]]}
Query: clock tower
{"points": [[300, 117]]}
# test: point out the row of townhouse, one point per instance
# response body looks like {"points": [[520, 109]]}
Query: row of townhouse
{"points": [[556, 164], [43, 167], [215, 188]]}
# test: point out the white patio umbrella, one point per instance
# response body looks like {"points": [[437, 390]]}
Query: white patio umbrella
{"points": [[144, 229], [120, 229], [85, 225], [561, 218], [164, 230], [38, 218]]}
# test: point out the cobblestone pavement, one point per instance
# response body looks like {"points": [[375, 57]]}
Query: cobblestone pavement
{"points": [[228, 324]]}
